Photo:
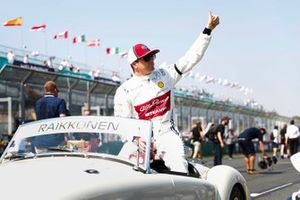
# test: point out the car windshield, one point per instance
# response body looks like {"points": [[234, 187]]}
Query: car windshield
{"points": [[90, 135]]}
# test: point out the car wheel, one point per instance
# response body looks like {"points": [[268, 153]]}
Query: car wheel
{"points": [[237, 193]]}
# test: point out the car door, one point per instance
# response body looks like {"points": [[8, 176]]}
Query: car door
{"points": [[192, 188]]}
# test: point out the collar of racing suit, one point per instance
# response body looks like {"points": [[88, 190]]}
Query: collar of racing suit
{"points": [[142, 78]]}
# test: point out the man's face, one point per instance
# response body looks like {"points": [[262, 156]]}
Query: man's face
{"points": [[144, 65]]}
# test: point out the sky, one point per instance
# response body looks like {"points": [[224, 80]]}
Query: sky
{"points": [[257, 43]]}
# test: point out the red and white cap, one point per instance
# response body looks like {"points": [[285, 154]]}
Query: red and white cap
{"points": [[138, 51]]}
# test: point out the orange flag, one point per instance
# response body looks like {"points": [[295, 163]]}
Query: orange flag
{"points": [[14, 22]]}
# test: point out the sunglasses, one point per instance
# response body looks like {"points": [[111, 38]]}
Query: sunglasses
{"points": [[149, 57]]}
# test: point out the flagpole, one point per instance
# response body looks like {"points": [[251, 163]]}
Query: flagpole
{"points": [[119, 65], [86, 55], [100, 56], [22, 37], [45, 41], [68, 48]]}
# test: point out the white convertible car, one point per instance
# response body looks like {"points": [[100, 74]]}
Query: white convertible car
{"points": [[92, 157], [296, 163]]}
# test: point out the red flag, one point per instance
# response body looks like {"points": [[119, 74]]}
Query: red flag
{"points": [[64, 34], [38, 28], [93, 43]]}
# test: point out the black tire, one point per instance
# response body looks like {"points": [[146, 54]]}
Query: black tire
{"points": [[237, 193]]}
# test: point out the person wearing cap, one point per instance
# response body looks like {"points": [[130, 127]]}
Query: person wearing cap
{"points": [[245, 143], [220, 142], [49, 106], [149, 94]]}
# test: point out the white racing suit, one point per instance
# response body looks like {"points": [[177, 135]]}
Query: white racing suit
{"points": [[151, 97]]}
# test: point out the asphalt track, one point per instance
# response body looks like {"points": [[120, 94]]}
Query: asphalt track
{"points": [[276, 183]]}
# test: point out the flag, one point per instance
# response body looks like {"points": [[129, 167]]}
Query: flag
{"points": [[93, 43], [80, 38], [14, 22], [113, 50], [64, 34], [38, 28]]}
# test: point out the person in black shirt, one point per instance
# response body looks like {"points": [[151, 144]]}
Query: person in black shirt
{"points": [[196, 140], [219, 144], [247, 146], [282, 141]]}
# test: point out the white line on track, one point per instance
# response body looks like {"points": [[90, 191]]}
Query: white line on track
{"points": [[271, 190]]}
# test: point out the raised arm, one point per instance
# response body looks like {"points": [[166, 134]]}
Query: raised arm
{"points": [[196, 52]]}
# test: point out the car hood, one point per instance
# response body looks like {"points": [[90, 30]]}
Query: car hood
{"points": [[64, 178]]}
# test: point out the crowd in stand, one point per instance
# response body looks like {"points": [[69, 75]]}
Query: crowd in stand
{"points": [[65, 66]]}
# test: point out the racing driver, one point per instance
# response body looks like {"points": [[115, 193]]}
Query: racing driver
{"points": [[149, 94]]}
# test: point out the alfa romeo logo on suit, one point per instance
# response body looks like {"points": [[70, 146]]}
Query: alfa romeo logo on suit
{"points": [[160, 84]]}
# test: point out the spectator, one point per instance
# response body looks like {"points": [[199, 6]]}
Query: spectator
{"points": [[91, 73], [49, 106], [89, 142], [97, 74], [25, 59], [245, 142], [282, 141], [230, 142], [115, 77], [34, 53], [292, 138], [11, 57], [72, 68], [196, 140], [219, 143], [2, 144], [49, 62], [87, 112], [63, 64], [275, 137]]}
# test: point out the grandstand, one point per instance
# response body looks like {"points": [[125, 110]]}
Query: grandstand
{"points": [[21, 85]]}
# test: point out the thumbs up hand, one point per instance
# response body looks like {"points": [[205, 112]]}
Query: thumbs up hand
{"points": [[213, 21]]}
